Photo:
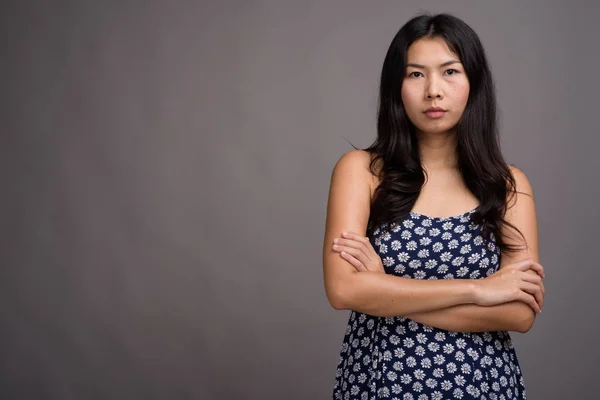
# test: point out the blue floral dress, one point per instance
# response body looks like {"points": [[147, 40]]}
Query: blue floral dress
{"points": [[398, 358]]}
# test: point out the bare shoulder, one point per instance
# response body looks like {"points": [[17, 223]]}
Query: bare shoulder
{"points": [[521, 212], [357, 163], [522, 183]]}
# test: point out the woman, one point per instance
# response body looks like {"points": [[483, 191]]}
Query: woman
{"points": [[431, 238]]}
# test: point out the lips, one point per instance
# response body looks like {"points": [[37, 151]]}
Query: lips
{"points": [[434, 109]]}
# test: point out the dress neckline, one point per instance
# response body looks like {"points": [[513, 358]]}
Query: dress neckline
{"points": [[416, 214]]}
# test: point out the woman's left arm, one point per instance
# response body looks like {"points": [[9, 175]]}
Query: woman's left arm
{"points": [[513, 316]]}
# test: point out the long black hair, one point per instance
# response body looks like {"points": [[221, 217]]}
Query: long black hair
{"points": [[396, 150]]}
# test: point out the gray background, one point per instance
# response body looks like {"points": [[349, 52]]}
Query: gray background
{"points": [[165, 168]]}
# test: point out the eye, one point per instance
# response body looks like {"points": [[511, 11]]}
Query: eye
{"points": [[452, 70], [415, 72]]}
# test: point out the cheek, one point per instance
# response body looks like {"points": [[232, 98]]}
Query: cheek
{"points": [[410, 98], [461, 92]]}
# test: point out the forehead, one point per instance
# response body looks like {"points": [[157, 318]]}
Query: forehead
{"points": [[429, 52]]}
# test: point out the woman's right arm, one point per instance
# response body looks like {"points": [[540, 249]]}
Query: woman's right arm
{"points": [[374, 293]]}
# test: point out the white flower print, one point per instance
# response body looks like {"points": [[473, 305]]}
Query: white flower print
{"points": [[433, 232], [451, 367], [383, 248], [426, 363], [465, 249], [399, 353], [458, 261], [412, 245], [462, 271], [474, 274], [399, 269], [388, 261], [446, 236], [473, 258], [431, 264], [417, 386], [419, 275], [448, 348], [420, 231], [411, 362], [403, 257], [453, 244], [447, 225], [424, 241], [419, 374], [459, 229], [484, 262], [437, 247], [465, 368], [420, 350], [423, 253], [405, 235], [434, 347], [431, 383], [396, 245], [460, 380]]}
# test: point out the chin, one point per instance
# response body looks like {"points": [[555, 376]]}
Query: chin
{"points": [[436, 128]]}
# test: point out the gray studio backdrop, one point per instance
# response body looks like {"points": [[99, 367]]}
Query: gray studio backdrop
{"points": [[165, 168]]}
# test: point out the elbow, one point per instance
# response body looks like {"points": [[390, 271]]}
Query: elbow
{"points": [[338, 300], [339, 295], [527, 322]]}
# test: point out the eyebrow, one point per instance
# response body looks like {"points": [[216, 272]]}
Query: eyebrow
{"points": [[441, 65]]}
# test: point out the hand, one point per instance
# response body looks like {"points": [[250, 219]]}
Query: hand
{"points": [[357, 250], [513, 282]]}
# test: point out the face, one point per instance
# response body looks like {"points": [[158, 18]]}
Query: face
{"points": [[431, 80]]}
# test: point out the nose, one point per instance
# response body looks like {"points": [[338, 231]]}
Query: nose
{"points": [[433, 90]]}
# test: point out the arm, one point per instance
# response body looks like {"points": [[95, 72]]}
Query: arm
{"points": [[474, 318], [369, 292], [513, 316]]}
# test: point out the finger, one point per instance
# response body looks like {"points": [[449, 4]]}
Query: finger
{"points": [[530, 264], [352, 260], [535, 279], [356, 253], [349, 243], [355, 236], [531, 278], [365, 248], [534, 290], [529, 299]]}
